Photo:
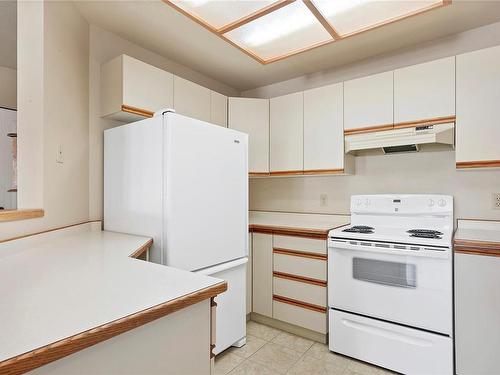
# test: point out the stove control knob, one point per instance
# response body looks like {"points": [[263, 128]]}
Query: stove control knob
{"points": [[367, 202], [431, 202], [441, 203], [358, 202]]}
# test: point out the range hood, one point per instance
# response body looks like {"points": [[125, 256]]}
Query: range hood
{"points": [[402, 140]]}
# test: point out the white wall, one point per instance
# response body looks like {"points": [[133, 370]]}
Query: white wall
{"points": [[412, 173], [8, 88], [470, 40], [104, 46], [53, 106], [425, 172]]}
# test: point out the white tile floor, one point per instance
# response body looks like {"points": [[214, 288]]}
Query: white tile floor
{"points": [[269, 351]]}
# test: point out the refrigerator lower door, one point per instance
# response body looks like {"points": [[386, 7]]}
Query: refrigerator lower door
{"points": [[231, 305]]}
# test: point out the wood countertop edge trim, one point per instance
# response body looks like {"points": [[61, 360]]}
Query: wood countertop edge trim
{"points": [[321, 234], [62, 348], [21, 214], [141, 250], [297, 303], [300, 254], [476, 247]]}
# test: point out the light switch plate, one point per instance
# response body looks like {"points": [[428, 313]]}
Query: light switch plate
{"points": [[496, 201]]}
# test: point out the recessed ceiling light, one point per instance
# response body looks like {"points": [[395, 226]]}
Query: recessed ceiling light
{"points": [[271, 30]]}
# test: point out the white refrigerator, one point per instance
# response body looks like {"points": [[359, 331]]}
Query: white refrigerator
{"points": [[184, 182]]}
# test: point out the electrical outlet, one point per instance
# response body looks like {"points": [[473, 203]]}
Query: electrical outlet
{"points": [[496, 201], [323, 200], [59, 155]]}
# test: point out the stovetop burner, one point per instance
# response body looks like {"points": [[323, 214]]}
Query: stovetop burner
{"points": [[425, 233], [359, 229]]}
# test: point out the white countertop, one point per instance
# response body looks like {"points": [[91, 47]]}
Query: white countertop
{"points": [[62, 283], [478, 230], [298, 220]]}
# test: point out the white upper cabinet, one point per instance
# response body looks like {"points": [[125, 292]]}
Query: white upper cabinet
{"points": [[132, 89], [368, 102], [478, 109], [425, 91], [191, 99], [324, 128], [218, 109], [287, 133], [251, 116]]}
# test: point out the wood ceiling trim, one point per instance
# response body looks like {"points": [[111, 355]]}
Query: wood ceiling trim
{"points": [[255, 15], [322, 19], [316, 12]]}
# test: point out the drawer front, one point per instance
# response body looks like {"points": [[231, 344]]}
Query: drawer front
{"points": [[300, 266], [300, 316], [402, 349], [300, 244], [301, 291]]}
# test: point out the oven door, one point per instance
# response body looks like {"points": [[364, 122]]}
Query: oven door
{"points": [[402, 286]]}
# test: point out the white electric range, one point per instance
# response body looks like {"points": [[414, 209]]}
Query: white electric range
{"points": [[390, 283]]}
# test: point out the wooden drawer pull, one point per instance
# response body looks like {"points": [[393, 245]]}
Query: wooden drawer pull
{"points": [[302, 254], [304, 305], [301, 279]]}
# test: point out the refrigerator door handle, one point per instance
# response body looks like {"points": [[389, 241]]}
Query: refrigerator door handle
{"points": [[222, 267]]}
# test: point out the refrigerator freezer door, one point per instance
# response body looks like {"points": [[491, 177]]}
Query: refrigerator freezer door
{"points": [[205, 193]]}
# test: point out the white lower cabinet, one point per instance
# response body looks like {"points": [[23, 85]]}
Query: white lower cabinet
{"points": [[249, 275], [300, 316], [289, 280], [262, 281], [477, 314], [478, 95], [300, 291]]}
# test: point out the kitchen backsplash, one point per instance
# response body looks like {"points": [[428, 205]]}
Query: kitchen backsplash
{"points": [[413, 173]]}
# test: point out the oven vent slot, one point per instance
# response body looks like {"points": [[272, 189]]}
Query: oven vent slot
{"points": [[382, 245], [414, 248], [428, 248], [365, 244], [400, 247], [353, 242]]}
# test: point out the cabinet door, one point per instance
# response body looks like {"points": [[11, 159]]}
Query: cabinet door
{"points": [[132, 89], [477, 314], [251, 116], [218, 109], [368, 102], [478, 109], [191, 99], [287, 133], [425, 91], [324, 128], [249, 275], [262, 253], [145, 86]]}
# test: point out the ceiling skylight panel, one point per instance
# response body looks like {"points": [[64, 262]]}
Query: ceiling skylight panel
{"points": [[284, 31], [221, 13], [351, 16]]}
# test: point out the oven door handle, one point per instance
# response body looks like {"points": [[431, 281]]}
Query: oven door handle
{"points": [[334, 244], [390, 334]]}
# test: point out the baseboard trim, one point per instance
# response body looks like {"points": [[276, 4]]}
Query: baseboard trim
{"points": [[291, 328]]}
